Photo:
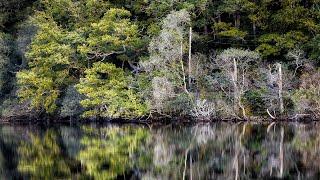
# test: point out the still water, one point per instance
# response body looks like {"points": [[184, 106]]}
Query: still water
{"points": [[203, 151]]}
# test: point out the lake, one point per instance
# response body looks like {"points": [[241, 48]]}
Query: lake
{"points": [[201, 151]]}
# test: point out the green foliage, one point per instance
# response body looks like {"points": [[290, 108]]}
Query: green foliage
{"points": [[12, 11], [4, 62], [182, 104], [226, 30], [57, 56], [48, 61], [108, 94], [294, 14], [276, 44], [254, 100], [314, 47], [73, 15], [113, 34]]}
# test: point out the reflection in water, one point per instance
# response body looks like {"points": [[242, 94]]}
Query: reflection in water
{"points": [[111, 152], [203, 151], [43, 158]]}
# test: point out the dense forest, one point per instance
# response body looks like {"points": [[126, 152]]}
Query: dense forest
{"points": [[205, 59]]}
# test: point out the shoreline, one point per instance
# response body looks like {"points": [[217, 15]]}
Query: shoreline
{"points": [[145, 121]]}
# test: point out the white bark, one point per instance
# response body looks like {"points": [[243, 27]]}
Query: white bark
{"points": [[280, 86], [182, 69], [237, 91], [189, 62]]}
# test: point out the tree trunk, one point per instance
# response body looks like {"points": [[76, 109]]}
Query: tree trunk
{"points": [[206, 30], [280, 86], [254, 30], [189, 62], [237, 92], [235, 85], [237, 20], [182, 69]]}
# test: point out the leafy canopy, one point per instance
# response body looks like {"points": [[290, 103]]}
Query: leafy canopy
{"points": [[108, 93]]}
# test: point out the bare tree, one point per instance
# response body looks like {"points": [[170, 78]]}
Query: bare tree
{"points": [[298, 56], [234, 64], [166, 62], [276, 79]]}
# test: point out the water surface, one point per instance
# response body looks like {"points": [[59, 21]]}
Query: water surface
{"points": [[203, 151]]}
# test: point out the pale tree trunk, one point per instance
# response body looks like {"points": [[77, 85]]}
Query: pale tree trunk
{"points": [[280, 85], [237, 94], [182, 69], [235, 85], [240, 93], [189, 62]]}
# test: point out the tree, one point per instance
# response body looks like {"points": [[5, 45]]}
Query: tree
{"points": [[235, 67], [12, 11], [166, 62], [108, 93], [274, 44], [4, 63], [234, 7], [293, 13], [314, 47], [57, 56], [114, 34], [306, 98], [48, 61]]}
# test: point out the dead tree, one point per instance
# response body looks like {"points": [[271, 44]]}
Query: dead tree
{"points": [[234, 65], [280, 88], [189, 60]]}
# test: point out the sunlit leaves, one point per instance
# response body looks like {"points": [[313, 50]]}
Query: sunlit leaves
{"points": [[108, 93], [48, 62]]}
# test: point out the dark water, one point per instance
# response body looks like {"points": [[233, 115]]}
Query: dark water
{"points": [[204, 151]]}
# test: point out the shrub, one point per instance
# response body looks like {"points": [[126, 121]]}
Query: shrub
{"points": [[307, 97], [203, 109]]}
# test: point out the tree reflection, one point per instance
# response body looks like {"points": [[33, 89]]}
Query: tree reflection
{"points": [[203, 151], [42, 158], [234, 151], [112, 152]]}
